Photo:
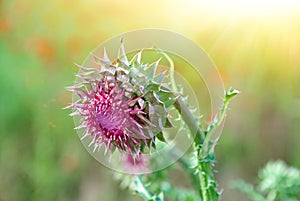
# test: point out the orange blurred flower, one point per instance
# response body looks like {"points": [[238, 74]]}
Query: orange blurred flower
{"points": [[43, 48]]}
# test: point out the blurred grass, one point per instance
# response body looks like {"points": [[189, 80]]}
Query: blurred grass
{"points": [[40, 154]]}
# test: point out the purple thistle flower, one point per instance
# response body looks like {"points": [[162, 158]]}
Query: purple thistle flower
{"points": [[119, 105], [111, 117]]}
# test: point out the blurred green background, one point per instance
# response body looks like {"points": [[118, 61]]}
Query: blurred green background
{"points": [[255, 45]]}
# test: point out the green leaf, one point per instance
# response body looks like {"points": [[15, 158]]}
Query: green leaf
{"points": [[249, 190], [277, 181], [277, 177], [231, 93]]}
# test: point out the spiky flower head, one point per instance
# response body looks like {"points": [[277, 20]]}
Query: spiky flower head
{"points": [[122, 104]]}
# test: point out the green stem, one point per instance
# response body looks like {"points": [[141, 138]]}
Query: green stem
{"points": [[206, 174], [186, 166], [189, 119], [203, 181], [200, 183], [203, 168], [207, 190], [217, 121], [140, 188], [210, 183], [212, 127]]}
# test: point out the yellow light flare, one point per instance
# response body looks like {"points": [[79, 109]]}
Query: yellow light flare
{"points": [[248, 8]]}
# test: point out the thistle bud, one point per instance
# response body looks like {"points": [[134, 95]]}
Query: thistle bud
{"points": [[122, 104]]}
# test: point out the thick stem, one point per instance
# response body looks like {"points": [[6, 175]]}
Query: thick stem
{"points": [[189, 119], [204, 168], [203, 181]]}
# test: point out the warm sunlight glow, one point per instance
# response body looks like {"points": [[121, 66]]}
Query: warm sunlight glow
{"points": [[250, 8], [262, 8]]}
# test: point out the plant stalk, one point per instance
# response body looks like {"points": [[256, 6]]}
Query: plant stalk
{"points": [[140, 188], [204, 168]]}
